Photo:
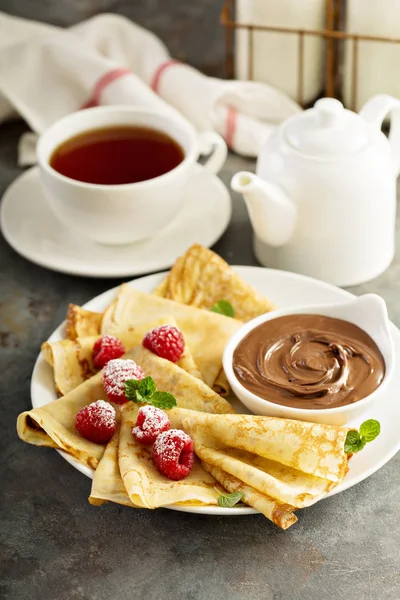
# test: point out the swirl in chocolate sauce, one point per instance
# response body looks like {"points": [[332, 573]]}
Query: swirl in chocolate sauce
{"points": [[309, 361]]}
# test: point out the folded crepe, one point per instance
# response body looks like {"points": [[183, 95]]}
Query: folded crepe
{"points": [[206, 332], [190, 392], [280, 514], [201, 278], [72, 360], [145, 485], [54, 424], [107, 484], [141, 477], [126, 475], [293, 462], [82, 323]]}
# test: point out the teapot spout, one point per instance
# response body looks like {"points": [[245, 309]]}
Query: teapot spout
{"points": [[272, 213]]}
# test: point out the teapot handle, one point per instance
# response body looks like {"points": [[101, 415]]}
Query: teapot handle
{"points": [[375, 110]]}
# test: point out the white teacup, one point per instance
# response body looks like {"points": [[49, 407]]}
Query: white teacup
{"points": [[120, 214]]}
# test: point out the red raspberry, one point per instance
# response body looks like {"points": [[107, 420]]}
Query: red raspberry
{"points": [[115, 373], [97, 422], [166, 341], [173, 454], [105, 349], [151, 421]]}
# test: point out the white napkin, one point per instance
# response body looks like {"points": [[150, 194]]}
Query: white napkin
{"points": [[47, 72]]}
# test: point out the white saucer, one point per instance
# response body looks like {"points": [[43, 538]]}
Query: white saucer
{"points": [[31, 228], [285, 290]]}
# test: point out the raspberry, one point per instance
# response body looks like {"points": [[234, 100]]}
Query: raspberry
{"points": [[96, 422], [115, 373], [151, 421], [105, 349], [173, 454], [166, 341]]}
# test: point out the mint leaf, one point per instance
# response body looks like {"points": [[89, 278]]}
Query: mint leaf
{"points": [[352, 439], [370, 429], [131, 386], [147, 387], [163, 400], [223, 307], [144, 390], [354, 442], [229, 500], [140, 390]]}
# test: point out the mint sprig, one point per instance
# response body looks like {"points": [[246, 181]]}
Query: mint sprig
{"points": [[370, 430], [356, 440], [163, 400], [145, 391], [229, 500], [223, 307]]}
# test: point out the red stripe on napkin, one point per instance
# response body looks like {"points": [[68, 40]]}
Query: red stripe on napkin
{"points": [[89, 104], [102, 83], [160, 70], [231, 121]]}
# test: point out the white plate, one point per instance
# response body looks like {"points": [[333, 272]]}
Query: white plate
{"points": [[31, 228], [285, 289]]}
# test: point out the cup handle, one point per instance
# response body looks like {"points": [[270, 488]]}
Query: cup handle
{"points": [[212, 143]]}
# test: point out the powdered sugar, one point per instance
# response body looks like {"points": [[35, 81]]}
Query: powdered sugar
{"points": [[153, 417], [115, 373], [167, 341], [102, 412], [105, 349], [108, 340], [97, 422], [151, 422], [170, 444], [173, 455]]}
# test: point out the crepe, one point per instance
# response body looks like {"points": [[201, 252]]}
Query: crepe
{"points": [[145, 485], [272, 479], [82, 323], [54, 424], [72, 360], [313, 448], [280, 514], [201, 278], [107, 484], [206, 332], [148, 488], [293, 462], [190, 392]]}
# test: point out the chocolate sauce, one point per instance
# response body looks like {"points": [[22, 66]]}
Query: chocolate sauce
{"points": [[309, 361]]}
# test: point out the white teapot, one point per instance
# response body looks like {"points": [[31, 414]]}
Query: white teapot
{"points": [[323, 202]]}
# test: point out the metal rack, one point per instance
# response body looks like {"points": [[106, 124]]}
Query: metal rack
{"points": [[332, 35]]}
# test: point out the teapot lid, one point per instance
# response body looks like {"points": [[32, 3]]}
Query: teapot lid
{"points": [[328, 130]]}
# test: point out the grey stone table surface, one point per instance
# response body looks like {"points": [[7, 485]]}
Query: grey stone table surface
{"points": [[55, 546]]}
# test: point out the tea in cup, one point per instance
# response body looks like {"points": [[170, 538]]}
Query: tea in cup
{"points": [[116, 174]]}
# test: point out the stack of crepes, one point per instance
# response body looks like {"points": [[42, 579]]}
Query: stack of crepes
{"points": [[276, 464], [195, 283]]}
